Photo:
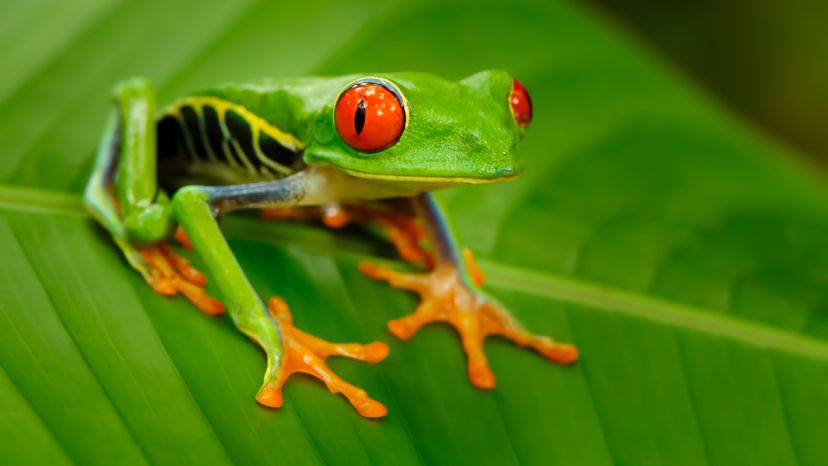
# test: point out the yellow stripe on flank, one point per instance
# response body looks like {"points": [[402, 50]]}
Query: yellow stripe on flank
{"points": [[257, 149], [243, 156], [227, 139], [256, 122]]}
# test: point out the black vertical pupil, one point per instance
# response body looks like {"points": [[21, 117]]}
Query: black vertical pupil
{"points": [[359, 117]]}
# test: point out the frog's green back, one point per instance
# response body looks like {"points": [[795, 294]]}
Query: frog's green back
{"points": [[455, 131], [291, 104]]}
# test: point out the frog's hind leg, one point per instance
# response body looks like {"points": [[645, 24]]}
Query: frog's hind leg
{"points": [[133, 210]]}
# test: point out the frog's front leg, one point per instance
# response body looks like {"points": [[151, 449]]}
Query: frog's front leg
{"points": [[123, 196], [450, 294], [288, 349]]}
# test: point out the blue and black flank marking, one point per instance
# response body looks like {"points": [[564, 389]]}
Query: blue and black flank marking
{"points": [[198, 133]]}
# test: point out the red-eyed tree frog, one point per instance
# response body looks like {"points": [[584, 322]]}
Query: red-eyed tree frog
{"points": [[350, 148]]}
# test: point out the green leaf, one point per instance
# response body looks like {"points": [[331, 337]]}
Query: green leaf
{"points": [[679, 249]]}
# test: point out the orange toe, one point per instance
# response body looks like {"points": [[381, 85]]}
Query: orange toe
{"points": [[482, 377], [307, 354], [182, 238], [171, 274], [270, 397], [401, 330], [182, 266], [335, 216], [407, 237], [371, 409], [375, 352], [163, 286], [562, 353]]}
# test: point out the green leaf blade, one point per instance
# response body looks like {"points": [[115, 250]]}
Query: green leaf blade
{"points": [[681, 251]]}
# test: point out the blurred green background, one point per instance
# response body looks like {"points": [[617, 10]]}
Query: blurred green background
{"points": [[665, 224], [765, 59]]}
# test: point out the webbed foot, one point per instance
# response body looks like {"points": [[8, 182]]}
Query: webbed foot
{"points": [[447, 298], [168, 274], [306, 353]]}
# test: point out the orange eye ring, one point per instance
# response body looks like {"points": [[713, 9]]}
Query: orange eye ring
{"points": [[370, 115], [520, 104]]}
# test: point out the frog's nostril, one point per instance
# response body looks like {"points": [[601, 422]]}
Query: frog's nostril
{"points": [[520, 104]]}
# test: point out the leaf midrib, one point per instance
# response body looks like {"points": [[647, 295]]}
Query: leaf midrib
{"points": [[566, 289]]}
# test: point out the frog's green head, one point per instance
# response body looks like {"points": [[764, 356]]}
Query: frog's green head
{"points": [[419, 127]]}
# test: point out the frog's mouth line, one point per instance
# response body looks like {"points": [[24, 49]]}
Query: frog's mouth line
{"points": [[431, 179]]}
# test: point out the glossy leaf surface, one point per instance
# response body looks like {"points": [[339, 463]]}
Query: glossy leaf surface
{"points": [[684, 253]]}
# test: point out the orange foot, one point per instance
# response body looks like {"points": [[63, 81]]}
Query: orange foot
{"points": [[445, 298], [171, 273], [306, 353]]}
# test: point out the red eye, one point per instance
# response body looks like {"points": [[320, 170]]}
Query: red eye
{"points": [[369, 116], [521, 104]]}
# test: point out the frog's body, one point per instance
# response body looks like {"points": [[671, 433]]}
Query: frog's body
{"points": [[215, 140], [364, 142]]}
